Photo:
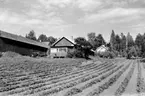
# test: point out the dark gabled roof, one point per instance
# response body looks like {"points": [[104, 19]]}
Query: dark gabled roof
{"points": [[63, 42], [21, 39]]}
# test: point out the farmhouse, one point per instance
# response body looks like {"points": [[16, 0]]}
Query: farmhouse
{"points": [[21, 45], [102, 49], [61, 47]]}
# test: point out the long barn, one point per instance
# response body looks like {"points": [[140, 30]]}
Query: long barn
{"points": [[21, 45]]}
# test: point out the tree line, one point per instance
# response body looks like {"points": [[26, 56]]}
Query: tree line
{"points": [[120, 44], [42, 37]]}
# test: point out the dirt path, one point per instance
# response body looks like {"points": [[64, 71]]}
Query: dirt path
{"points": [[143, 78], [112, 89], [62, 93], [90, 89], [131, 87]]}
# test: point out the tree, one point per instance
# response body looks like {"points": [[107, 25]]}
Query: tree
{"points": [[92, 40], [138, 50], [129, 46], [42, 38], [131, 52], [130, 41], [51, 40], [123, 42], [31, 35], [100, 40], [143, 45], [112, 40], [139, 44], [123, 45], [84, 48], [81, 41], [91, 35], [117, 43]]}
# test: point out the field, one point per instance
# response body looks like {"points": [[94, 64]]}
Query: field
{"points": [[25, 76]]}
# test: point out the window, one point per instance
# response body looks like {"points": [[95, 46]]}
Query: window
{"points": [[62, 49]]}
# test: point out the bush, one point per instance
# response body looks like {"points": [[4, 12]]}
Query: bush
{"points": [[39, 54], [75, 54], [142, 60], [107, 54], [70, 54]]}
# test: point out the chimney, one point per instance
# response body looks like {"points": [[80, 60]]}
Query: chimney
{"points": [[72, 39]]}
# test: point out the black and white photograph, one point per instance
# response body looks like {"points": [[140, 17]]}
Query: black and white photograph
{"points": [[72, 47]]}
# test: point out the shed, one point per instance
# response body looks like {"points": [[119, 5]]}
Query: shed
{"points": [[21, 45]]}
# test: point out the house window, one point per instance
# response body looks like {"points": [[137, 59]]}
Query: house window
{"points": [[62, 49]]}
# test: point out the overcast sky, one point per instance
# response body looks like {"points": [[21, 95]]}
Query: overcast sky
{"points": [[72, 17]]}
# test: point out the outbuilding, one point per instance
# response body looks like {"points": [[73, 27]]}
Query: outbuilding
{"points": [[21, 45], [102, 49]]}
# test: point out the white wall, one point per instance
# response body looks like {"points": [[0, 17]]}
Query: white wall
{"points": [[53, 50]]}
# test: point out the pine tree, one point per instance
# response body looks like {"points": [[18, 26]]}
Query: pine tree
{"points": [[117, 43], [130, 41], [123, 42], [139, 41], [112, 40]]}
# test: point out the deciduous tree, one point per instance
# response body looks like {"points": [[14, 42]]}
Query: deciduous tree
{"points": [[31, 35], [42, 38], [51, 39]]}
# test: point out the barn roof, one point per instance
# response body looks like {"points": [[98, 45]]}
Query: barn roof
{"points": [[63, 42], [21, 39]]}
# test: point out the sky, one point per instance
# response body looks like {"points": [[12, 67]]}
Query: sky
{"points": [[75, 18]]}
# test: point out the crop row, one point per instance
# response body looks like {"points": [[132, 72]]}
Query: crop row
{"points": [[51, 81], [20, 79], [109, 83], [80, 69], [78, 90], [35, 67], [124, 84], [76, 82], [60, 78], [53, 76]]}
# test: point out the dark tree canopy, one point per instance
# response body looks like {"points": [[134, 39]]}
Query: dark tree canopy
{"points": [[123, 42], [51, 39], [92, 40], [42, 38], [84, 48], [139, 40], [31, 35], [91, 36], [81, 41], [100, 40], [130, 41], [112, 40], [117, 43]]}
